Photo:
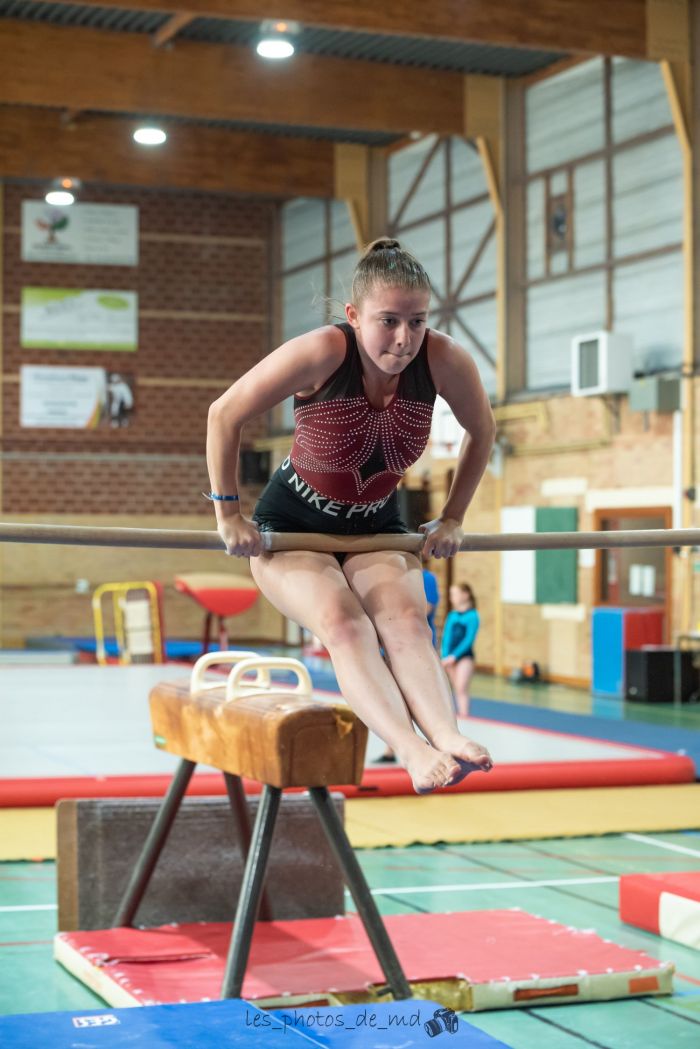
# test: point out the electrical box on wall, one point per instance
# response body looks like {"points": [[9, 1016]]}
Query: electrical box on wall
{"points": [[655, 393], [600, 363]]}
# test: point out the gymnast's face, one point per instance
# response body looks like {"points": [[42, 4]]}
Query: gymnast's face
{"points": [[390, 325]]}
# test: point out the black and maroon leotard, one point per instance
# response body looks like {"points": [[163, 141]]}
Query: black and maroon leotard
{"points": [[354, 453], [348, 457]]}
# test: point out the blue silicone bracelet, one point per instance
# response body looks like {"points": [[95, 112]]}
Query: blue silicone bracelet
{"points": [[221, 498]]}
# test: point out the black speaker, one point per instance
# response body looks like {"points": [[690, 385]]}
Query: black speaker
{"points": [[650, 675]]}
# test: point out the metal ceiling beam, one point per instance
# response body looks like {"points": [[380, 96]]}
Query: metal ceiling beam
{"points": [[88, 69], [574, 26]]}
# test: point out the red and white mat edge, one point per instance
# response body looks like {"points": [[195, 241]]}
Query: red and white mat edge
{"points": [[666, 903]]}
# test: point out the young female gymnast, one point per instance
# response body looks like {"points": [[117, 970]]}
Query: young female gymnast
{"points": [[363, 400], [458, 637]]}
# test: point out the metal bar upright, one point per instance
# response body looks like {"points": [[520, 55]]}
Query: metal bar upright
{"points": [[356, 882]]}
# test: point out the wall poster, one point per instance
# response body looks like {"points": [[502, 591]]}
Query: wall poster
{"points": [[74, 398], [75, 319], [96, 234]]}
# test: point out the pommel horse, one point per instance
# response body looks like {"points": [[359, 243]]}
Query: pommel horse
{"points": [[283, 738]]}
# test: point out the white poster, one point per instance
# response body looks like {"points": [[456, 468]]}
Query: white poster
{"points": [[518, 566], [75, 319], [104, 234], [73, 398]]}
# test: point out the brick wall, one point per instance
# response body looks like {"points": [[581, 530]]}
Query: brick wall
{"points": [[610, 450], [204, 288]]}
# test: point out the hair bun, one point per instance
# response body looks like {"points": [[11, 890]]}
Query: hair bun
{"points": [[384, 244]]}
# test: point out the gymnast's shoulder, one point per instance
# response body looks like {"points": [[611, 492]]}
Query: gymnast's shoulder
{"points": [[449, 361]]}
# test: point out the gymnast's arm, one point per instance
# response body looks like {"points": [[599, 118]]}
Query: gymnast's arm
{"points": [[457, 379], [301, 365]]}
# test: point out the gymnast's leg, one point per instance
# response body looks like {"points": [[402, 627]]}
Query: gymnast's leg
{"points": [[311, 589], [389, 585]]}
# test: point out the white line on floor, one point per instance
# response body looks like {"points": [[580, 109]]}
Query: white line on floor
{"points": [[663, 844], [410, 889], [30, 907]]}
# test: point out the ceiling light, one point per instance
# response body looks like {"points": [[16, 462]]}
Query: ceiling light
{"points": [[62, 191], [149, 136], [277, 39]]}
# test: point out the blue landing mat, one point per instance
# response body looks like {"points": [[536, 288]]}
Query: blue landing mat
{"points": [[239, 1025], [636, 733]]}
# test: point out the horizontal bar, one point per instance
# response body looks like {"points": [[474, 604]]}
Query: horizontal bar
{"points": [[172, 539]]}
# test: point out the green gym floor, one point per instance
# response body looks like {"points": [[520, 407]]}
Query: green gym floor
{"points": [[569, 880]]}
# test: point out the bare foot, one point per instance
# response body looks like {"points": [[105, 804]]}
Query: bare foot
{"points": [[469, 755], [430, 769]]}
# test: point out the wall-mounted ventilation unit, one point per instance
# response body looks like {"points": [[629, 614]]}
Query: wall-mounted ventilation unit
{"points": [[600, 363]]}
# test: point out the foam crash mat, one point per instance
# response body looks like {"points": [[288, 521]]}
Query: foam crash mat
{"points": [[471, 960], [666, 903], [462, 818], [653, 767], [240, 1025], [516, 815]]}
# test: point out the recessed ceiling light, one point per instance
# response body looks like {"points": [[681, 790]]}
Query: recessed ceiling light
{"points": [[62, 191], [275, 47], [149, 136], [59, 198], [276, 39]]}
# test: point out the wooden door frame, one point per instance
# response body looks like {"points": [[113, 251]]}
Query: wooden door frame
{"points": [[665, 512]]}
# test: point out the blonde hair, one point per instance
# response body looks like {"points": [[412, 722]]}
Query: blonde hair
{"points": [[385, 262]]}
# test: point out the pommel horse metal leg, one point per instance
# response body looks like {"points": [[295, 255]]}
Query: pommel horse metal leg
{"points": [[254, 878], [251, 891], [361, 894], [153, 846], [158, 835]]}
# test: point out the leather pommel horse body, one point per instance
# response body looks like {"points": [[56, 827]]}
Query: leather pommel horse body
{"points": [[282, 738], [248, 728]]}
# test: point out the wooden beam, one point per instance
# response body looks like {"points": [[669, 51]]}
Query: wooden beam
{"points": [[483, 116], [352, 186], [172, 27], [122, 72], [69, 117], [2, 397], [594, 27], [668, 30], [515, 224], [34, 144]]}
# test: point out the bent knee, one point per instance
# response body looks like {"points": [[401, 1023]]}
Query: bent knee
{"points": [[344, 624], [404, 630]]}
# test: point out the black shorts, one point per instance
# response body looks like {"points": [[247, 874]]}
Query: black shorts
{"points": [[281, 508]]}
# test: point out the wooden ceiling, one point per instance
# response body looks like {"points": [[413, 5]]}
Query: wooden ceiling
{"points": [[75, 78]]}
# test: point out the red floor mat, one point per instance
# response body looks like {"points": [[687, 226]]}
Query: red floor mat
{"points": [[503, 959]]}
